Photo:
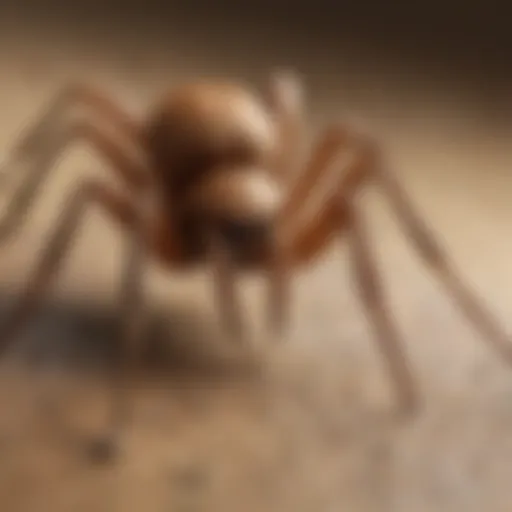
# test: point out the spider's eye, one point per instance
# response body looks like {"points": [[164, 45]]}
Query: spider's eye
{"points": [[243, 232]]}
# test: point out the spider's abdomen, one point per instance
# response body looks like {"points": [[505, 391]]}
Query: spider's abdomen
{"points": [[201, 126]]}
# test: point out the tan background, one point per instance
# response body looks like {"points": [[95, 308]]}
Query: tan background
{"points": [[313, 435]]}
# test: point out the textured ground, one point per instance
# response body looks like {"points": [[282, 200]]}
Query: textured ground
{"points": [[312, 433]]}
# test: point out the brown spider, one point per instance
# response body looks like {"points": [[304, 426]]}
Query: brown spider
{"points": [[207, 177]]}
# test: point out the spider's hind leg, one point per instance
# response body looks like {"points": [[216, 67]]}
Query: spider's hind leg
{"points": [[39, 149], [75, 95]]}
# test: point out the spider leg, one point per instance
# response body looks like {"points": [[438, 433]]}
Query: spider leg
{"points": [[102, 106], [340, 215], [305, 240], [471, 306], [127, 214], [60, 242], [337, 139], [287, 103], [127, 166], [286, 99], [132, 324], [334, 142], [308, 240], [224, 282], [279, 299], [369, 286]]}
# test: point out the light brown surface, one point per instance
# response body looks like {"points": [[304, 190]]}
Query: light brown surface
{"points": [[313, 433]]}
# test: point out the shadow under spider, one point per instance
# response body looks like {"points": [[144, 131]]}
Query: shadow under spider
{"points": [[79, 336]]}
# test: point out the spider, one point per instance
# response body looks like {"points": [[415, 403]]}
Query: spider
{"points": [[213, 175]]}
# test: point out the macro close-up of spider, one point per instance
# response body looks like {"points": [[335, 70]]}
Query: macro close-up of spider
{"points": [[214, 176]]}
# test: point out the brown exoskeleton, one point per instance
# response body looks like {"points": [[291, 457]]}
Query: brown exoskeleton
{"points": [[208, 177]]}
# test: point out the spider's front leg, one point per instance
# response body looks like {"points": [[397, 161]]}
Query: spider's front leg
{"points": [[342, 214], [286, 99], [132, 325], [74, 96], [128, 214], [369, 285], [307, 243], [38, 149], [428, 248]]}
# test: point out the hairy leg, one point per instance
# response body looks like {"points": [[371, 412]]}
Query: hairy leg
{"points": [[135, 219], [287, 103], [224, 282], [279, 298], [473, 307], [334, 143], [289, 232], [132, 323], [58, 247], [310, 239], [380, 316], [342, 216], [131, 170], [101, 105]]}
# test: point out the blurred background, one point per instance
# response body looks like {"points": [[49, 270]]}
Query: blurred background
{"points": [[313, 431]]}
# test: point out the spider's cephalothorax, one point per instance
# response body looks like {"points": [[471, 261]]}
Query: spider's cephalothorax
{"points": [[213, 146], [213, 184]]}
